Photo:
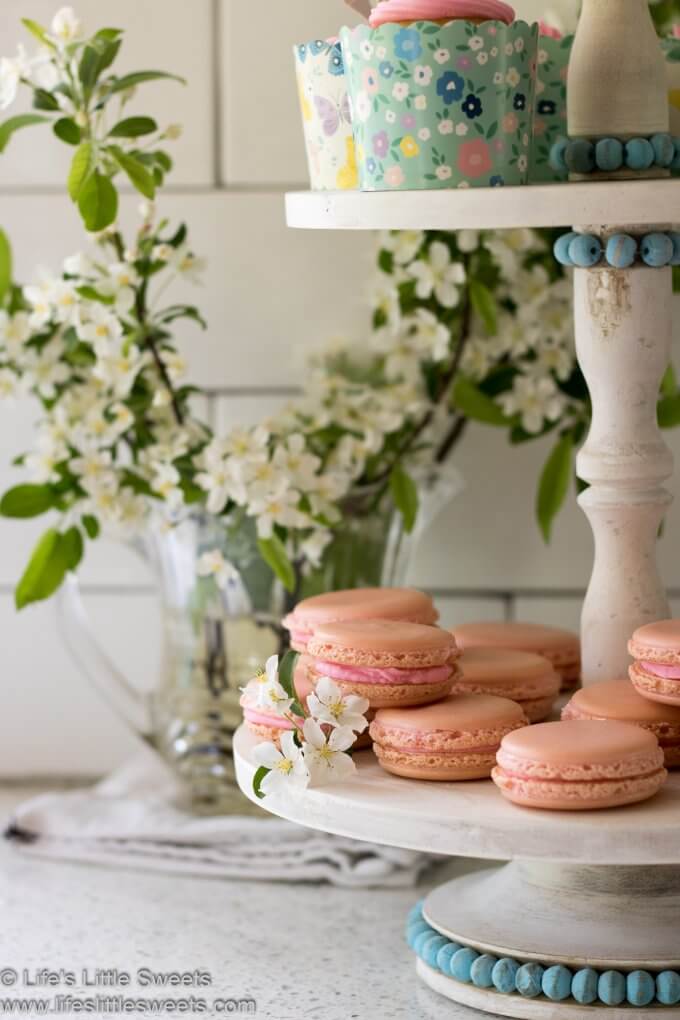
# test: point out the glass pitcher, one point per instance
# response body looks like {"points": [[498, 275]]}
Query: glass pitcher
{"points": [[215, 639]]}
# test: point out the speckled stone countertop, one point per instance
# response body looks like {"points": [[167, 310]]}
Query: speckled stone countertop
{"points": [[301, 953]]}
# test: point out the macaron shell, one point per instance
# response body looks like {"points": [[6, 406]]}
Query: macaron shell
{"points": [[383, 643], [363, 603], [402, 695], [578, 796], [657, 642], [528, 679], [436, 768], [619, 700], [656, 688], [561, 647], [554, 748]]}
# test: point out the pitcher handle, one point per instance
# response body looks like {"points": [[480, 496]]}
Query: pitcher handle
{"points": [[130, 705]]}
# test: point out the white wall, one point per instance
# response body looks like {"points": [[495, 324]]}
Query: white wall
{"points": [[268, 291]]}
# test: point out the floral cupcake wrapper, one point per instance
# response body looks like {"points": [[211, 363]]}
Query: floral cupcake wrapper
{"points": [[671, 48], [326, 118], [441, 106], [550, 112]]}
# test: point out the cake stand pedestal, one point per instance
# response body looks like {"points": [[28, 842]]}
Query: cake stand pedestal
{"points": [[590, 889]]}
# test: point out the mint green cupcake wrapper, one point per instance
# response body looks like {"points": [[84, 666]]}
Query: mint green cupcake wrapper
{"points": [[441, 106]]}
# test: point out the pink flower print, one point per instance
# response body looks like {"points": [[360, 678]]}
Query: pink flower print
{"points": [[498, 145], [381, 144], [491, 30], [474, 158], [408, 121], [539, 128], [509, 123], [369, 80], [464, 63], [394, 176]]}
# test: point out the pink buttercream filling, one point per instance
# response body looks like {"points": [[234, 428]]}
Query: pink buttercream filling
{"points": [[299, 635], [276, 722], [491, 749], [435, 10], [389, 675], [657, 669]]}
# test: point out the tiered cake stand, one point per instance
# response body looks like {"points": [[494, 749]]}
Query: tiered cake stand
{"points": [[599, 889]]}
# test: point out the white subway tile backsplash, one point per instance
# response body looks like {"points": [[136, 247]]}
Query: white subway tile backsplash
{"points": [[552, 611], [168, 36], [457, 609]]}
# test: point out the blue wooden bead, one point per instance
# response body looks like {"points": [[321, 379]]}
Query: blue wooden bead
{"points": [[656, 250], [420, 940], [584, 986], [445, 955], [640, 988], [415, 913], [664, 150], [481, 970], [416, 929], [504, 974], [556, 983], [611, 988], [668, 988], [430, 949], [561, 248], [639, 154], [675, 165], [579, 156], [556, 159], [675, 239], [609, 154], [461, 963], [585, 250], [529, 980], [621, 251]]}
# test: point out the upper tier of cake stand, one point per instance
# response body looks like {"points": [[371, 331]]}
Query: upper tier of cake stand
{"points": [[472, 819], [588, 203]]}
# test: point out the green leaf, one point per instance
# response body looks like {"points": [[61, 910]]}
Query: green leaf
{"points": [[668, 412], [91, 525], [484, 303], [133, 127], [273, 552], [27, 501], [45, 572], [22, 120], [287, 668], [128, 81], [5, 265], [72, 547], [44, 100], [137, 173], [554, 483], [82, 166], [405, 496], [669, 383], [98, 202], [470, 401], [257, 781], [38, 31], [67, 130]]}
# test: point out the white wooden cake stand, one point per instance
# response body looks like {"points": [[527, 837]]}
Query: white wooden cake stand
{"points": [[596, 890], [584, 889]]}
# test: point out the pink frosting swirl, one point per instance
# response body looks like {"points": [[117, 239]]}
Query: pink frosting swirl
{"points": [[434, 10], [549, 31]]}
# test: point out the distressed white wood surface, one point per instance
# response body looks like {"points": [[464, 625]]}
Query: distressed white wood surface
{"points": [[473, 819], [536, 205], [617, 72], [623, 342]]}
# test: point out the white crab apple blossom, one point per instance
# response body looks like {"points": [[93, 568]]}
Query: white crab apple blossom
{"points": [[328, 705], [285, 766], [437, 274], [325, 753], [535, 399], [213, 564]]}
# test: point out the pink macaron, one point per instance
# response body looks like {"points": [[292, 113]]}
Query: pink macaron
{"points": [[528, 679], [579, 765], [561, 647], [357, 604], [267, 725], [656, 671], [618, 700], [454, 739], [388, 662]]}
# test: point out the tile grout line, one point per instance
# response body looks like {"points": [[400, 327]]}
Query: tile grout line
{"points": [[218, 82]]}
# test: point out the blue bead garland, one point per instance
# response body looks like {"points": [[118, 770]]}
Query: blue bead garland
{"points": [[608, 155], [531, 980], [620, 251]]}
